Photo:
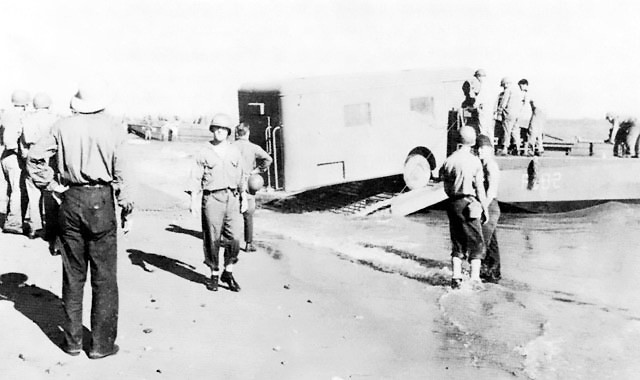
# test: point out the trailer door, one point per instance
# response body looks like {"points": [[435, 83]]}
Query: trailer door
{"points": [[262, 111]]}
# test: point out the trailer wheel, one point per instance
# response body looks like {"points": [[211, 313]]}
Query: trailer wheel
{"points": [[417, 171]]}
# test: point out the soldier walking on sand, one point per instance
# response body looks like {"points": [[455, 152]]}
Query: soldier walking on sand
{"points": [[90, 163], [490, 268], [254, 160], [12, 164], [36, 125], [463, 179], [218, 174]]}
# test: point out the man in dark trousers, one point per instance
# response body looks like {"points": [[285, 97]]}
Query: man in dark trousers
{"points": [[217, 173], [254, 160], [463, 180], [89, 146]]}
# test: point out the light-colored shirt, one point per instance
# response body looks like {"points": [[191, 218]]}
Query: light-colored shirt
{"points": [[253, 156], [214, 172], [35, 125], [527, 110], [472, 87], [12, 127], [491, 172], [508, 105], [90, 149], [462, 174]]}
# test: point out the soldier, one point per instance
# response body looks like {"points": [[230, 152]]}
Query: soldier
{"points": [[12, 164], [218, 174], [530, 121], [36, 125], [254, 160], [490, 268], [624, 135], [504, 116], [90, 164], [472, 106], [463, 179]]}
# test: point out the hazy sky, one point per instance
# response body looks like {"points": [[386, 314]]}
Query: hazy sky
{"points": [[189, 57]]}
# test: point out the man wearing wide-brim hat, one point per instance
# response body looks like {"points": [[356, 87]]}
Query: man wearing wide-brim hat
{"points": [[89, 150]]}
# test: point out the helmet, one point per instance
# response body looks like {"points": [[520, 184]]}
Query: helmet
{"points": [[20, 98], [483, 140], [255, 183], [480, 73], [505, 82], [467, 135], [221, 120], [41, 100]]}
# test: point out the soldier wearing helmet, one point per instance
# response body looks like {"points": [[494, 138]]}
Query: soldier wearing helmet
{"points": [[463, 178], [473, 105], [254, 160], [11, 161], [505, 116], [217, 173], [35, 125]]}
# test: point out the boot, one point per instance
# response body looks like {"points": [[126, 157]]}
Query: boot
{"points": [[227, 277], [212, 284]]}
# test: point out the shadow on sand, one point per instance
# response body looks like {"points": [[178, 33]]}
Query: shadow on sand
{"points": [[180, 230], [177, 267], [39, 305]]}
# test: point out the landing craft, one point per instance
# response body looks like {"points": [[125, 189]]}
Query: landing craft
{"points": [[330, 130]]}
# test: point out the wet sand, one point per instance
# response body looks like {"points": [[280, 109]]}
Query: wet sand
{"points": [[325, 296]]}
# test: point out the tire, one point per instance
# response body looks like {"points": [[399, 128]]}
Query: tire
{"points": [[416, 172]]}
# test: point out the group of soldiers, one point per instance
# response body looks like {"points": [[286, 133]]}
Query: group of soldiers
{"points": [[518, 126], [21, 127], [80, 162]]}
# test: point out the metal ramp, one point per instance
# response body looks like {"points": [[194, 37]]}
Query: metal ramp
{"points": [[418, 199]]}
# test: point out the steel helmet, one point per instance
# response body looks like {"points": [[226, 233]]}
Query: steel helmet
{"points": [[467, 135], [480, 73], [255, 183], [41, 100], [20, 98], [505, 82], [221, 120]]}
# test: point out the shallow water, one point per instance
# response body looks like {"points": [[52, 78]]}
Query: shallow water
{"points": [[568, 306]]}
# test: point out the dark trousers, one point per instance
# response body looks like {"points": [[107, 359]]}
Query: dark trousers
{"points": [[88, 233], [248, 218], [491, 263], [466, 233], [220, 220]]}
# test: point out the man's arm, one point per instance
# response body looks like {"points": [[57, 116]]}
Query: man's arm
{"points": [[494, 181], [38, 168], [262, 159], [121, 177], [194, 183]]}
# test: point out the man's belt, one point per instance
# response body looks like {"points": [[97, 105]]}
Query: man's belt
{"points": [[232, 191], [96, 184]]}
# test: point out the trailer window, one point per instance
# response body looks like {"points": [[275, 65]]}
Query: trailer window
{"points": [[357, 114], [422, 105]]}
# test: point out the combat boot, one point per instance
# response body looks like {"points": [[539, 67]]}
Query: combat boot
{"points": [[227, 277], [212, 284]]}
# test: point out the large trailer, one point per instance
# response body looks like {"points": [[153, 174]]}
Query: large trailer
{"points": [[329, 130]]}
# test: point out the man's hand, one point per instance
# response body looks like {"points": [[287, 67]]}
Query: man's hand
{"points": [[126, 222], [56, 192]]}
